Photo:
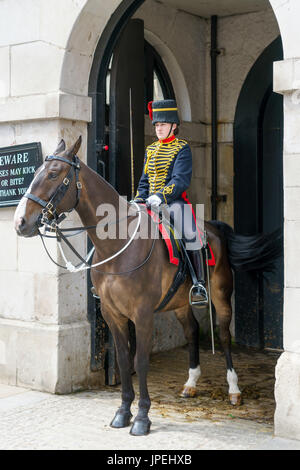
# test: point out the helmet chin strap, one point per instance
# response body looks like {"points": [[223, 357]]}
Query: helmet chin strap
{"points": [[170, 130]]}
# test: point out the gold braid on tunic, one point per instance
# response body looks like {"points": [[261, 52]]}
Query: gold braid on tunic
{"points": [[159, 157]]}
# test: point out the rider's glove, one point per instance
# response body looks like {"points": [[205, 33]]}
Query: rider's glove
{"points": [[154, 200]]}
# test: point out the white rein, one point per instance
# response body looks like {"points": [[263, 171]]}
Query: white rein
{"points": [[73, 269]]}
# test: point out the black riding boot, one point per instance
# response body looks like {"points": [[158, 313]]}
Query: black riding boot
{"points": [[198, 293]]}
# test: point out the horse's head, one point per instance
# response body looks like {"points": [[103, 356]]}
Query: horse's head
{"points": [[54, 189]]}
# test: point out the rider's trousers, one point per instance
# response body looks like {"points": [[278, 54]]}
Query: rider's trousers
{"points": [[181, 215]]}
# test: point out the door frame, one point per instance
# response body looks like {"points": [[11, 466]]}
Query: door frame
{"points": [[95, 142], [247, 121]]}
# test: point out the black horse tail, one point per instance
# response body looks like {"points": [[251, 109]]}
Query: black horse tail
{"points": [[251, 252]]}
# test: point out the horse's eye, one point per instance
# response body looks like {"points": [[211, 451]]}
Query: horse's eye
{"points": [[52, 176]]}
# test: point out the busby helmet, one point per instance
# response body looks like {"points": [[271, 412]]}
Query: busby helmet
{"points": [[163, 111]]}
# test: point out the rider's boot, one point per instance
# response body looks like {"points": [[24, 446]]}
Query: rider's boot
{"points": [[198, 292]]}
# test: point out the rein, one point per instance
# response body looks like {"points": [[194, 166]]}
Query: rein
{"points": [[51, 224]]}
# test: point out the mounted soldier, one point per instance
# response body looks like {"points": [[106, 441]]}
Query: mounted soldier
{"points": [[166, 176], [64, 183]]}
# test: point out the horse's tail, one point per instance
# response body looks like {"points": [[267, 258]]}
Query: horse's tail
{"points": [[252, 252]]}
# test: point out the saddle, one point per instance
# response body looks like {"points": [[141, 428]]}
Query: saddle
{"points": [[178, 256], [174, 245]]}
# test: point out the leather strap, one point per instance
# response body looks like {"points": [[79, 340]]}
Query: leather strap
{"points": [[61, 190]]}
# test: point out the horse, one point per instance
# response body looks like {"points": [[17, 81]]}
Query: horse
{"points": [[132, 285]]}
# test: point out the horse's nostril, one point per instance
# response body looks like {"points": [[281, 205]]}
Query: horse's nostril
{"points": [[20, 224]]}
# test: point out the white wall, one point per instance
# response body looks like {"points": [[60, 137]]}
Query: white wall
{"points": [[44, 332], [287, 82]]}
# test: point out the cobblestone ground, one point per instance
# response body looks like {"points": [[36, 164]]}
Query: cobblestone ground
{"points": [[41, 421], [256, 373]]}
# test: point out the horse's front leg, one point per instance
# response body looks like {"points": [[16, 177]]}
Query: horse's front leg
{"points": [[118, 326], [191, 332], [143, 327]]}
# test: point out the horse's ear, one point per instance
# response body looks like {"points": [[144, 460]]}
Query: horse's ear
{"points": [[61, 147], [74, 149]]}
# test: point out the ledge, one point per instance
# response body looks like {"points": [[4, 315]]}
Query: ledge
{"points": [[57, 105], [286, 76]]}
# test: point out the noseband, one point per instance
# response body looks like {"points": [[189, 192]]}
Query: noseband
{"points": [[50, 207]]}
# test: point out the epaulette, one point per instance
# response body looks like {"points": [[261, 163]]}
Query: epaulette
{"points": [[182, 142]]}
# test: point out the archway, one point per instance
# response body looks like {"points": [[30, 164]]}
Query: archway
{"points": [[102, 55], [97, 82], [258, 190]]}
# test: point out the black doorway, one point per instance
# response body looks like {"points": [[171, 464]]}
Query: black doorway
{"points": [[134, 65], [258, 199], [102, 346]]}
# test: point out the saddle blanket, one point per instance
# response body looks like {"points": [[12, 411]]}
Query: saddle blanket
{"points": [[173, 245]]}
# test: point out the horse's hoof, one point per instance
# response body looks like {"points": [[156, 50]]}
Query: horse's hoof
{"points": [[140, 427], [188, 392], [121, 419], [235, 399]]}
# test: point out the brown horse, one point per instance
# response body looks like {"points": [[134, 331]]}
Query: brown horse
{"points": [[129, 287]]}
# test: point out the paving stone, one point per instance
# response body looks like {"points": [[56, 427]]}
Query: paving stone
{"points": [[40, 421]]}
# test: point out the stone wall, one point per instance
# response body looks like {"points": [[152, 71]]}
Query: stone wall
{"points": [[287, 82], [44, 332]]}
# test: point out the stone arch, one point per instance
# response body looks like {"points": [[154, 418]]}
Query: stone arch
{"points": [[82, 43], [93, 22], [286, 13], [176, 75]]}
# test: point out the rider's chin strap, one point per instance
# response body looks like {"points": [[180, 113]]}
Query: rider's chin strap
{"points": [[170, 130]]}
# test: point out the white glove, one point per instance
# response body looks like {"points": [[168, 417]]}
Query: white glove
{"points": [[154, 200]]}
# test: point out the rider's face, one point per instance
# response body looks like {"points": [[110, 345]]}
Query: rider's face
{"points": [[162, 130]]}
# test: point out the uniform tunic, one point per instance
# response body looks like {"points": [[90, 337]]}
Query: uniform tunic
{"points": [[167, 170], [167, 173]]}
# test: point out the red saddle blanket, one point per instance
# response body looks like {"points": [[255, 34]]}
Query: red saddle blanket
{"points": [[171, 243]]}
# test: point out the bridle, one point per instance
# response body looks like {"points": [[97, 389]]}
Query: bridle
{"points": [[50, 219], [49, 214]]}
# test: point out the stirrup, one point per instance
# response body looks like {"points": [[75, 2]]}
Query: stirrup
{"points": [[204, 301], [93, 291]]}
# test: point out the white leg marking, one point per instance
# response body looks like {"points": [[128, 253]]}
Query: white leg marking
{"points": [[232, 380], [194, 375]]}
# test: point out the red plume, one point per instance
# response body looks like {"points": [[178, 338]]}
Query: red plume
{"points": [[150, 110]]}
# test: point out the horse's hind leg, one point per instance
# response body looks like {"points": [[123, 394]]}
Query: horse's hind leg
{"points": [[191, 332], [119, 329], [143, 328], [221, 290]]}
